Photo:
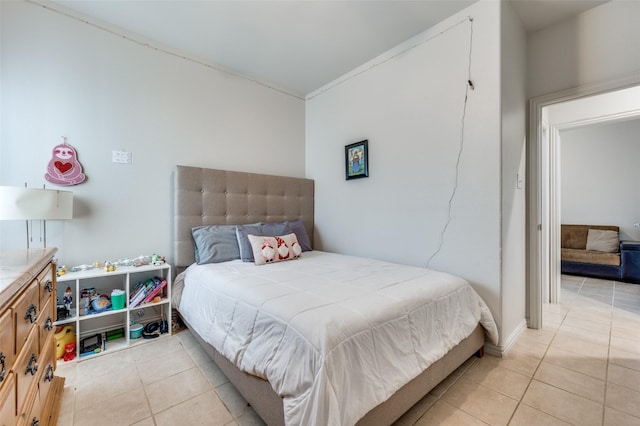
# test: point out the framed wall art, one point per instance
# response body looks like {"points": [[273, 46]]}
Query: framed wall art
{"points": [[356, 159]]}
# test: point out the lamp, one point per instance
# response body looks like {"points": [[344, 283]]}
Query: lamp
{"points": [[35, 204]]}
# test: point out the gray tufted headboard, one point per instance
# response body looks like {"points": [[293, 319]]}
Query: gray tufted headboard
{"points": [[220, 197]]}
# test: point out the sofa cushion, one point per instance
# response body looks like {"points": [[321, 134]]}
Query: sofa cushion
{"points": [[575, 236], [586, 256], [605, 241]]}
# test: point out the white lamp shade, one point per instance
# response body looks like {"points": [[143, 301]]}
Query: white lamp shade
{"points": [[35, 204]]}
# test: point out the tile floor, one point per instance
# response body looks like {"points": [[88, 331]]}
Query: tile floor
{"points": [[582, 368]]}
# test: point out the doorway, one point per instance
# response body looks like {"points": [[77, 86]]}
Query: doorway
{"points": [[548, 115]]}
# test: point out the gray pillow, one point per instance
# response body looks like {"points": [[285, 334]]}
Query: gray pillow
{"points": [[601, 240], [259, 229], [215, 243], [297, 226]]}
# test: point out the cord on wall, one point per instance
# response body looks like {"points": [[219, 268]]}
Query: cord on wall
{"points": [[468, 86]]}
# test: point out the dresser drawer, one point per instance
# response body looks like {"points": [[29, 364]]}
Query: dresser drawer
{"points": [[46, 282], [7, 345], [45, 324], [8, 401], [30, 416], [25, 313], [27, 366], [46, 371]]}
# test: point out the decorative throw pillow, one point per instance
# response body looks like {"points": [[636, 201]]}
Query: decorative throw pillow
{"points": [[274, 249], [215, 243], [261, 228], [601, 240], [297, 227]]}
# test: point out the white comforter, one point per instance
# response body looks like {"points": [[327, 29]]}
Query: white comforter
{"points": [[335, 335]]}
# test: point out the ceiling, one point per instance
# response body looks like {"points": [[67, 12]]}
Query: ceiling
{"points": [[296, 46]]}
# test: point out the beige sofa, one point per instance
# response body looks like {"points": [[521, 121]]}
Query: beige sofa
{"points": [[574, 246]]}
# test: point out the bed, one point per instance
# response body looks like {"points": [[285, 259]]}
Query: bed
{"points": [[345, 362]]}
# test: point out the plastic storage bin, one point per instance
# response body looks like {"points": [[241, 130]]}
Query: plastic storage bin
{"points": [[117, 299], [135, 331]]}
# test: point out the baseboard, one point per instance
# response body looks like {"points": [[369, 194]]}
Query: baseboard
{"points": [[503, 349]]}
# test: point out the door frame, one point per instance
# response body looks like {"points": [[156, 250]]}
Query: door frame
{"points": [[543, 192]]}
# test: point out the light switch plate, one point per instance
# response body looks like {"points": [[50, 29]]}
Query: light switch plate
{"points": [[122, 157]]}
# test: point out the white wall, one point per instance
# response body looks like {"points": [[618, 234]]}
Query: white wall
{"points": [[63, 77], [513, 92], [598, 45], [409, 106], [600, 175]]}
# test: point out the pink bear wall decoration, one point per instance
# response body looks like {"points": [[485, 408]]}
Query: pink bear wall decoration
{"points": [[64, 167]]}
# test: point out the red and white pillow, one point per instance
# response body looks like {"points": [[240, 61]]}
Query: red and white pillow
{"points": [[274, 249]]}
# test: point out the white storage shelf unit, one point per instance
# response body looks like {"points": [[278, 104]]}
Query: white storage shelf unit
{"points": [[123, 278]]}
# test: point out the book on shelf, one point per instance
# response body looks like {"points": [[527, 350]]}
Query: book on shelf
{"points": [[138, 298], [155, 291], [142, 289], [145, 291], [137, 289]]}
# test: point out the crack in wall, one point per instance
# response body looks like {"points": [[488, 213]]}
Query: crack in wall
{"points": [[469, 86]]}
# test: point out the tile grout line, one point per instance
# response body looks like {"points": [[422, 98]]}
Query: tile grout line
{"points": [[214, 388], [145, 385], [146, 394], [534, 374], [606, 371], [606, 378]]}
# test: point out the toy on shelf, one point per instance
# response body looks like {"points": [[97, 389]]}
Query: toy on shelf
{"points": [[91, 344], [141, 260], [93, 302], [63, 336], [84, 305], [110, 266], [68, 298], [69, 351], [100, 304], [61, 270], [80, 268]]}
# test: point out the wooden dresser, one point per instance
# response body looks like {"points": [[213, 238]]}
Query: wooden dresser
{"points": [[27, 345]]}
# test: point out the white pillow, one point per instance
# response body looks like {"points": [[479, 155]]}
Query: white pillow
{"points": [[601, 240], [274, 249]]}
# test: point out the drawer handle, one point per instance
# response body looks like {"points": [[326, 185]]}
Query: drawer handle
{"points": [[48, 324], [35, 422], [32, 366], [49, 286], [3, 373], [48, 375], [31, 314]]}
